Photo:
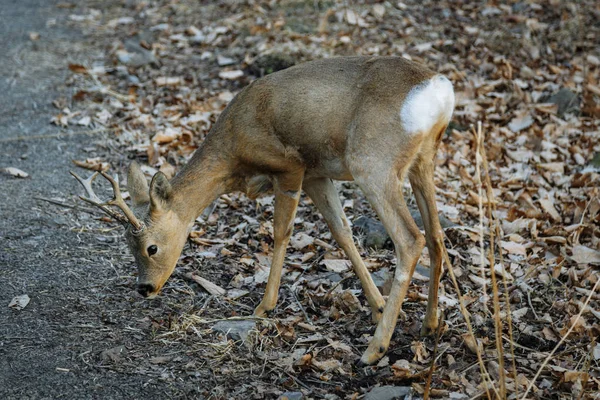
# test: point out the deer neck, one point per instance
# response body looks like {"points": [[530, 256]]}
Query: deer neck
{"points": [[199, 183]]}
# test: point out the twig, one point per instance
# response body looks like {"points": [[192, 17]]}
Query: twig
{"points": [[496, 297], [478, 157], [249, 317], [531, 305], [308, 321], [587, 301], [55, 202], [484, 374], [433, 357], [498, 231]]}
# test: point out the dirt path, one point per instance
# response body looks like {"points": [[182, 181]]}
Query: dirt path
{"points": [[54, 347]]}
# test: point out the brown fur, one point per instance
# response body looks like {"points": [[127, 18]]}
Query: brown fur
{"points": [[299, 128]]}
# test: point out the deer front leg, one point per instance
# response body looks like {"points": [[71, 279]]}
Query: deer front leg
{"points": [[326, 199], [287, 192]]}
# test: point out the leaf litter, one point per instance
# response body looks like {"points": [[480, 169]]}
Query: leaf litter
{"points": [[528, 71]]}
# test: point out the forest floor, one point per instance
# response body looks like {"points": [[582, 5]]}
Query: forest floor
{"points": [[97, 84]]}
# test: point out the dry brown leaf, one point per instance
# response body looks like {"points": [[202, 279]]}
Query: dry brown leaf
{"points": [[93, 164], [327, 365], [207, 285], [471, 342], [78, 69], [548, 207]]}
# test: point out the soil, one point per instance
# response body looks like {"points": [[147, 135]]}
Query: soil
{"points": [[52, 348]]}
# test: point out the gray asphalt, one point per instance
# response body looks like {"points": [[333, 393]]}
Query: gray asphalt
{"points": [[39, 254]]}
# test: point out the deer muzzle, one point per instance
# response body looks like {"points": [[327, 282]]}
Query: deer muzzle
{"points": [[147, 289]]}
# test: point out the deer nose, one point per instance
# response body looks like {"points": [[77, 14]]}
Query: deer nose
{"points": [[145, 289]]}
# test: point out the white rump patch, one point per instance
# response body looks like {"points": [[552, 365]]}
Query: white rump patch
{"points": [[427, 104]]}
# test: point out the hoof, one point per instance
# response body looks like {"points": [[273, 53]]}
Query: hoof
{"points": [[377, 312], [376, 316], [430, 326], [262, 312], [372, 356], [428, 330]]}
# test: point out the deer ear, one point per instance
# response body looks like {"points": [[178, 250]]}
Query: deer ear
{"points": [[160, 189], [137, 185]]}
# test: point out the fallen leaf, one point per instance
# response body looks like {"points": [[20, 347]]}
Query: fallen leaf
{"points": [[85, 121], [231, 75], [168, 81], [337, 345], [326, 365], [514, 248], [17, 173], [207, 285], [572, 376], [336, 265], [19, 302], [301, 240], [93, 164], [471, 342], [521, 121], [548, 206], [585, 255], [78, 68]]}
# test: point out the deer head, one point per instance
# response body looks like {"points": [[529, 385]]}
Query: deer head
{"points": [[155, 233]]}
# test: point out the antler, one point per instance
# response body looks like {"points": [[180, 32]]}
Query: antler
{"points": [[118, 201]]}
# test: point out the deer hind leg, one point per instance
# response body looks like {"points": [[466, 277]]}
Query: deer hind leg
{"points": [[326, 199], [287, 192], [384, 192], [421, 180]]}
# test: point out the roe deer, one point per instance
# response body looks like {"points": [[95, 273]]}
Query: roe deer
{"points": [[374, 120]]}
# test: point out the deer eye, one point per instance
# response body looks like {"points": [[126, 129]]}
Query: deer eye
{"points": [[152, 250]]}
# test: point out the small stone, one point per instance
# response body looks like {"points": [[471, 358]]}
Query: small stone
{"points": [[444, 222], [376, 237], [224, 61], [567, 102], [373, 233], [235, 329], [269, 63], [389, 393], [291, 396]]}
